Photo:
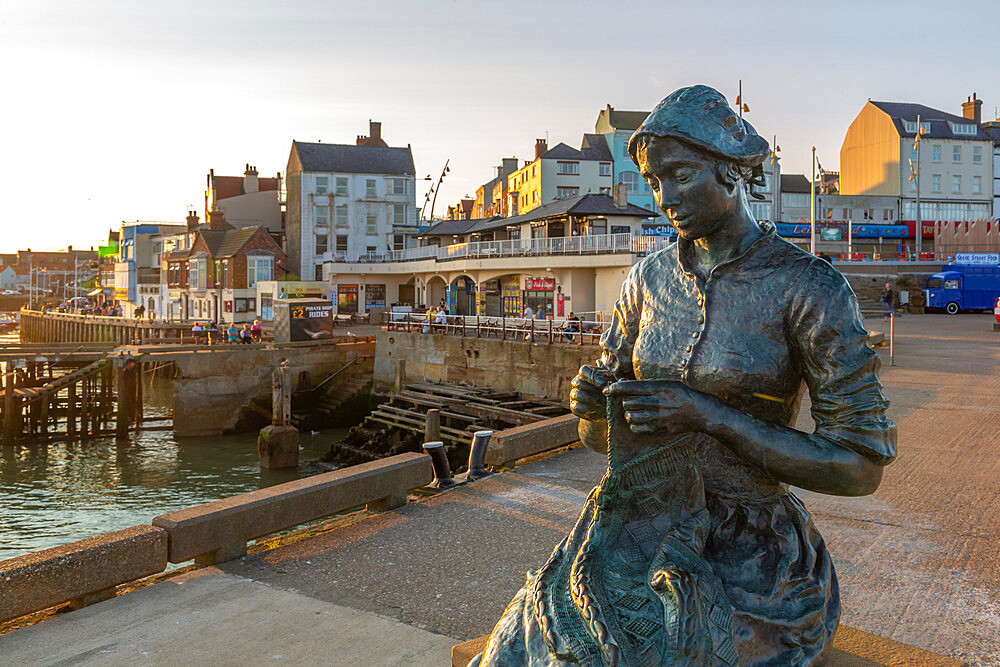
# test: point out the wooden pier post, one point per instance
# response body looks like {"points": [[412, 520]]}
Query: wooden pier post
{"points": [[126, 397], [9, 408]]}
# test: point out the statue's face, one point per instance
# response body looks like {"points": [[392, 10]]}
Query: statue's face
{"points": [[686, 187]]}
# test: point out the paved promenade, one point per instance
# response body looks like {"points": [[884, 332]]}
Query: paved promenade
{"points": [[917, 561]]}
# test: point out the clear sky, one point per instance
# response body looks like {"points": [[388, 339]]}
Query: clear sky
{"points": [[116, 110]]}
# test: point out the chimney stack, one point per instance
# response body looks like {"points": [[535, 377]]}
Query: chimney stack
{"points": [[620, 195], [375, 131], [217, 220], [192, 220], [250, 182], [541, 146], [972, 109]]}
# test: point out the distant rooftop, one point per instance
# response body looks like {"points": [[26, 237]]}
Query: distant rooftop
{"points": [[351, 159]]}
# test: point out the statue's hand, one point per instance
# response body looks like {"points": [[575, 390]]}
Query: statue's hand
{"points": [[586, 400], [660, 406]]}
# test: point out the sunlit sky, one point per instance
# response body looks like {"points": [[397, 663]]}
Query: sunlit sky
{"points": [[116, 110]]}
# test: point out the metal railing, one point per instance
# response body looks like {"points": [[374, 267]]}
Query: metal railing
{"points": [[558, 245], [573, 332]]}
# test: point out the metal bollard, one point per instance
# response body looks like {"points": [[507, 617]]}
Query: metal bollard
{"points": [[477, 453], [439, 459]]}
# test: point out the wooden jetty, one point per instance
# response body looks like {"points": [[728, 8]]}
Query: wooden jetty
{"points": [[463, 409]]}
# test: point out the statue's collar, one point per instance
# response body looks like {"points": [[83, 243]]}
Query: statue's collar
{"points": [[686, 248]]}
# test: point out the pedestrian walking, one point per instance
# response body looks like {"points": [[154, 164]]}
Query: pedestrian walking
{"points": [[887, 301]]}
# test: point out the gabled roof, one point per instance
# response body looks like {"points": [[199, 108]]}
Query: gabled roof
{"points": [[232, 186], [595, 147], [584, 205], [350, 159], [454, 227], [623, 120], [227, 242], [939, 120]]}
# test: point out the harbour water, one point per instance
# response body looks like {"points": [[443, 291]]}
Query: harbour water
{"points": [[57, 492]]}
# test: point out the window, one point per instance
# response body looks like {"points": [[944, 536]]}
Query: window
{"points": [[568, 168], [534, 170], [963, 128], [322, 184], [321, 244], [936, 153], [956, 183], [342, 215], [399, 186], [370, 187], [936, 182], [398, 241], [259, 268], [625, 149], [951, 284], [567, 192], [371, 225], [956, 153], [534, 196], [888, 214], [399, 214], [341, 243], [605, 169], [318, 272], [266, 306], [977, 185], [322, 216], [630, 179], [374, 296], [847, 214], [977, 154], [194, 275], [341, 185], [911, 126]]}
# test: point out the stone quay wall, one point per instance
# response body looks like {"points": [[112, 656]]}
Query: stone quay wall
{"points": [[539, 369], [215, 390]]}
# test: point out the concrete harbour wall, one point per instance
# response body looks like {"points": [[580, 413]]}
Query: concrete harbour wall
{"points": [[214, 391], [538, 369]]}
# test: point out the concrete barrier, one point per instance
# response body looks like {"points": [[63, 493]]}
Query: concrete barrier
{"points": [[219, 530], [82, 572], [516, 443]]}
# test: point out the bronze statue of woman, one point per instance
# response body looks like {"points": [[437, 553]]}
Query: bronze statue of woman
{"points": [[692, 550]]}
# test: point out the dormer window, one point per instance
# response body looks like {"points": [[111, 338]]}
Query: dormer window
{"points": [[963, 128], [911, 126]]}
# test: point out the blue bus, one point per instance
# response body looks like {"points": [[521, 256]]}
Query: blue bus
{"points": [[963, 287]]}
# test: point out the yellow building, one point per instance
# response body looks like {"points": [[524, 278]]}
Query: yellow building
{"points": [[561, 172], [955, 165]]}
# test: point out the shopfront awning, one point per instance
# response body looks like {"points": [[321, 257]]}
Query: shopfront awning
{"points": [[100, 290]]}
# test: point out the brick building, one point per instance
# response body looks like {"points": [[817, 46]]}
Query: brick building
{"points": [[216, 278]]}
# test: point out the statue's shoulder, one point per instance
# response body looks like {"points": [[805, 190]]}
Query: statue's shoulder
{"points": [[657, 262], [807, 270]]}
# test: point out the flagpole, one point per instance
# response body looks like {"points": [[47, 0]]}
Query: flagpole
{"points": [[812, 206]]}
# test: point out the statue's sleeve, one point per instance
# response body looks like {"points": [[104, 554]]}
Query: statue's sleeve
{"points": [[840, 368], [617, 342]]}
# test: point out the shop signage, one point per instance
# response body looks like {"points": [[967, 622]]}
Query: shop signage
{"points": [[981, 258], [539, 284]]}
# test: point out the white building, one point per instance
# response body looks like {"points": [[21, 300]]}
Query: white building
{"points": [[347, 202]]}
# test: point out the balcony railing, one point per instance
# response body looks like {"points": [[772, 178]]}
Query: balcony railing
{"points": [[559, 245]]}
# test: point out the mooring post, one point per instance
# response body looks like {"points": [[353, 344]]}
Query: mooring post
{"points": [[432, 425], [400, 381], [278, 444]]}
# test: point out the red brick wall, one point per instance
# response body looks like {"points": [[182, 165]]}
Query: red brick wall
{"points": [[238, 264]]}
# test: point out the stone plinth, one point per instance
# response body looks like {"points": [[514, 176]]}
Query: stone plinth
{"points": [[851, 648], [278, 447]]}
